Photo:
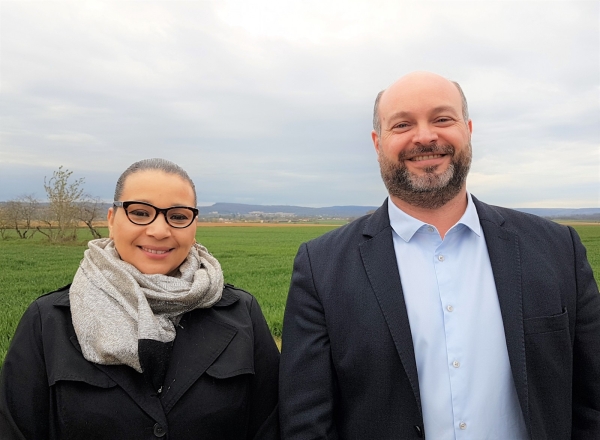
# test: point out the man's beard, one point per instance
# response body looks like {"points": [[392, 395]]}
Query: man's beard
{"points": [[429, 190]]}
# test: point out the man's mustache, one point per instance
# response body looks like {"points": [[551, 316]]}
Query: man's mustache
{"points": [[420, 150]]}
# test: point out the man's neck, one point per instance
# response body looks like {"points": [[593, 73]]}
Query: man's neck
{"points": [[443, 218]]}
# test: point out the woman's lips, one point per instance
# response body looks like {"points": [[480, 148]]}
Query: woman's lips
{"points": [[154, 252]]}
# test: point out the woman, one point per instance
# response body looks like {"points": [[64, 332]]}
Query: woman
{"points": [[147, 341]]}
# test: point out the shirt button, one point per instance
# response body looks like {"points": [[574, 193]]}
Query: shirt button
{"points": [[430, 229], [456, 364], [462, 425], [450, 308], [441, 257], [159, 431]]}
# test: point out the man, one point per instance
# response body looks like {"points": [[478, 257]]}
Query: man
{"points": [[439, 316]]}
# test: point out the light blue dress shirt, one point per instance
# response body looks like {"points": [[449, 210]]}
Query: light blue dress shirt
{"points": [[467, 389]]}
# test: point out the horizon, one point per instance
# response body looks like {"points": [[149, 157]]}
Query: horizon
{"points": [[198, 205]]}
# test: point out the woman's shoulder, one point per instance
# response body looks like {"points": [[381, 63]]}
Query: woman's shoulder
{"points": [[232, 294], [58, 297]]}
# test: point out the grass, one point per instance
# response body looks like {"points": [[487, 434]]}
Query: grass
{"points": [[257, 259]]}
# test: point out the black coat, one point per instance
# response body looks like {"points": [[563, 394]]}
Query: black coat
{"points": [[348, 369], [221, 382]]}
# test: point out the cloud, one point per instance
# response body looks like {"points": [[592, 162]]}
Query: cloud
{"points": [[271, 102]]}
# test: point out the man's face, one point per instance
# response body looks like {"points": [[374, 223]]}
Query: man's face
{"points": [[424, 149]]}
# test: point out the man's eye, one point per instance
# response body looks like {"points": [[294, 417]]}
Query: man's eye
{"points": [[401, 125], [443, 120]]}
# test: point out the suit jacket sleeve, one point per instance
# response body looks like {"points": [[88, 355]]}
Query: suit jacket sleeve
{"points": [[307, 379], [24, 390], [586, 349]]}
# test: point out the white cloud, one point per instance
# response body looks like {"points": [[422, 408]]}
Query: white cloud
{"points": [[271, 102]]}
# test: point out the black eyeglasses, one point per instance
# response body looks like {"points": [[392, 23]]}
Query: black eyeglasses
{"points": [[142, 213]]}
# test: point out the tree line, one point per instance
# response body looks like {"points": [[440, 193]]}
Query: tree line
{"points": [[68, 206]]}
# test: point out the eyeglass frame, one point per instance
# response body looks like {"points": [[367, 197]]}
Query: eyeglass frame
{"points": [[126, 204]]}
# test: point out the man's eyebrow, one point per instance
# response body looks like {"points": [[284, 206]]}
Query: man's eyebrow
{"points": [[399, 115], [445, 108], [440, 109]]}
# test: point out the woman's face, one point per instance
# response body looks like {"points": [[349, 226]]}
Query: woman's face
{"points": [[156, 248]]}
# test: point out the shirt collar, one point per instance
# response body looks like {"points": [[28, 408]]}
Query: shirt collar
{"points": [[406, 226]]}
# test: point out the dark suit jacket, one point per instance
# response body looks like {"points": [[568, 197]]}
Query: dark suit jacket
{"points": [[221, 382], [348, 368]]}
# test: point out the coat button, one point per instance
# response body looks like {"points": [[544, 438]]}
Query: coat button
{"points": [[159, 431], [419, 431]]}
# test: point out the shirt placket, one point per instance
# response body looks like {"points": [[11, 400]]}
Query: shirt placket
{"points": [[445, 263]]}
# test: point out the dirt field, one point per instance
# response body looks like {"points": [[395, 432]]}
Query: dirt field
{"points": [[104, 224]]}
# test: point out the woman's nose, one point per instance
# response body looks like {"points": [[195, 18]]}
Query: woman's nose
{"points": [[159, 228]]}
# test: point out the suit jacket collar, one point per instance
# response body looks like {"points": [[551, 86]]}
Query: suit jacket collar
{"points": [[379, 259], [504, 251]]}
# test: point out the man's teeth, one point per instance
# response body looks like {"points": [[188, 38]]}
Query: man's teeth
{"points": [[431, 156], [153, 251]]}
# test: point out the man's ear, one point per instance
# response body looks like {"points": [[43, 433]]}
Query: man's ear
{"points": [[375, 138]]}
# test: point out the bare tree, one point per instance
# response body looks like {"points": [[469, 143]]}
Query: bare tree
{"points": [[61, 215], [90, 210], [4, 224], [19, 214]]}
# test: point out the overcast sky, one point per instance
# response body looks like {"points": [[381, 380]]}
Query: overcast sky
{"points": [[271, 102]]}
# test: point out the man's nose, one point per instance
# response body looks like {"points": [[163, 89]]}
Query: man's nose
{"points": [[425, 135]]}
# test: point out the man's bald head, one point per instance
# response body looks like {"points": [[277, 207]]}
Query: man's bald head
{"points": [[406, 81]]}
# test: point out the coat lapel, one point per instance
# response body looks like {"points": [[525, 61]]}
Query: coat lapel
{"points": [[503, 249], [198, 343], [379, 258], [132, 382]]}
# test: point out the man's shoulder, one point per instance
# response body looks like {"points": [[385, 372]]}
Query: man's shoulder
{"points": [[517, 221]]}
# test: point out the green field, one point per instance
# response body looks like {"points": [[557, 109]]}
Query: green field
{"points": [[257, 259]]}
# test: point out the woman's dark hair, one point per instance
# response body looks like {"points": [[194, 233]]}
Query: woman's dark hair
{"points": [[155, 164]]}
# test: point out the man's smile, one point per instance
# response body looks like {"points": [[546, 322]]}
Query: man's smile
{"points": [[426, 157]]}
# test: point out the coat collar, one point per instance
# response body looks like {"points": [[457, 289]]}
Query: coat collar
{"points": [[191, 357], [379, 259]]}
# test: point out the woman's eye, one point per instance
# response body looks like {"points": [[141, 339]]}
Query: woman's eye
{"points": [[179, 217], [139, 213]]}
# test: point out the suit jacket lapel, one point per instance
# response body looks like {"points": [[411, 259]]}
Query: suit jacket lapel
{"points": [[379, 259], [503, 249]]}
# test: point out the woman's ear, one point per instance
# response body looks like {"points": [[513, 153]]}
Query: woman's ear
{"points": [[110, 216]]}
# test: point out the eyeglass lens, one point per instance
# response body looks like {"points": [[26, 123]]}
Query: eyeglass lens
{"points": [[143, 214]]}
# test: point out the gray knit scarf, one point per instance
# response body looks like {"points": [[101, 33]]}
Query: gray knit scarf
{"points": [[114, 305]]}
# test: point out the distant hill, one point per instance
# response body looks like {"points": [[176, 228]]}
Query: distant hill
{"points": [[565, 213], [240, 209], [244, 210], [253, 212]]}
